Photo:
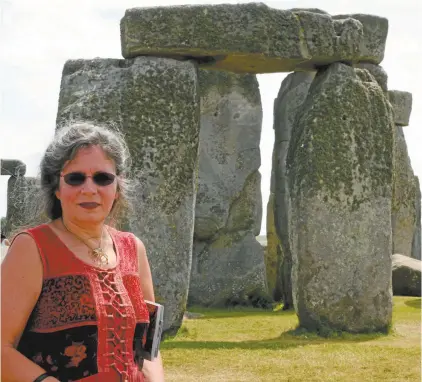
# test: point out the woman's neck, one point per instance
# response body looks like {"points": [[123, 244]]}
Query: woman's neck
{"points": [[86, 231]]}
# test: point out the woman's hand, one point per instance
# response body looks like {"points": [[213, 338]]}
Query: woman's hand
{"points": [[153, 370]]}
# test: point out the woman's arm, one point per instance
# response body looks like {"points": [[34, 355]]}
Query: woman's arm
{"points": [[152, 370], [21, 283]]}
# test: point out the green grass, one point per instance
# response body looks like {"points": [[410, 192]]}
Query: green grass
{"points": [[256, 345]]}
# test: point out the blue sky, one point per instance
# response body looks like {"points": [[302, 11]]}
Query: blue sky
{"points": [[37, 37]]}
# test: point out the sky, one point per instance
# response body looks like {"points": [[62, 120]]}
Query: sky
{"points": [[37, 37]]}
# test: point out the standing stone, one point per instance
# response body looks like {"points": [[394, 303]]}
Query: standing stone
{"points": [[416, 243], [402, 106], [340, 164], [228, 262], [16, 187], [404, 208], [403, 217], [273, 252], [292, 94], [155, 103], [378, 72]]}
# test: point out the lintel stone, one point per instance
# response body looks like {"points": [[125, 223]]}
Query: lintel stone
{"points": [[402, 106], [13, 167], [252, 37], [313, 10], [375, 31]]}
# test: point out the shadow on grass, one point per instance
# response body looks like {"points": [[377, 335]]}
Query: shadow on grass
{"points": [[290, 339], [414, 303], [212, 313]]}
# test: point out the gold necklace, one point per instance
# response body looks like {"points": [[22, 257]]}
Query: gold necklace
{"points": [[97, 253]]}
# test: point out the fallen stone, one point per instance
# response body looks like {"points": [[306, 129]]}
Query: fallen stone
{"points": [[340, 171], [251, 38], [406, 276], [192, 316], [402, 106], [155, 103], [228, 208]]}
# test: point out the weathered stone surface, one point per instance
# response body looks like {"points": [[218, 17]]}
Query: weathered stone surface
{"points": [[406, 276], [402, 106], [378, 72], [155, 103], [12, 167], [16, 194], [329, 40], [240, 256], [403, 214], [251, 38], [273, 253], [19, 192], [227, 260], [340, 163], [416, 243], [16, 169], [313, 10], [292, 94], [2, 224], [375, 31]]}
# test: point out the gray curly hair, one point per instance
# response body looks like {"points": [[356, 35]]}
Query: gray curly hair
{"points": [[67, 141]]}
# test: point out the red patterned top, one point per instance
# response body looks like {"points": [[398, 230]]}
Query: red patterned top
{"points": [[88, 323]]}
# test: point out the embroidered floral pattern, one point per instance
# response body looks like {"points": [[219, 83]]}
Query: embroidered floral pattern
{"points": [[69, 354], [64, 300], [76, 352], [37, 358]]}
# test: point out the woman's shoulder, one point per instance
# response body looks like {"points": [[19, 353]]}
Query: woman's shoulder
{"points": [[25, 233], [34, 236], [119, 233], [30, 230], [124, 238], [23, 248]]}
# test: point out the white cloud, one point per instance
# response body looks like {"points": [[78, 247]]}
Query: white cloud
{"points": [[37, 37]]}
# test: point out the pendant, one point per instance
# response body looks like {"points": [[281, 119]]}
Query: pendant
{"points": [[100, 256]]}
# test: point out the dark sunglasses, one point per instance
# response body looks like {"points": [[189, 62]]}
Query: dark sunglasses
{"points": [[78, 178]]}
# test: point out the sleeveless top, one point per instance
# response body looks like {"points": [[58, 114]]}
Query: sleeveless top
{"points": [[88, 323]]}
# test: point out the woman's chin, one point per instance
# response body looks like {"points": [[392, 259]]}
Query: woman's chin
{"points": [[91, 217]]}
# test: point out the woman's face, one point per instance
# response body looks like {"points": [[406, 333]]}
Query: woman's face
{"points": [[87, 202]]}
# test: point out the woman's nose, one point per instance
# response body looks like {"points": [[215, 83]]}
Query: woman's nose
{"points": [[89, 186]]}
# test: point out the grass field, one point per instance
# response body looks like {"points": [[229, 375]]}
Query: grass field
{"points": [[257, 345]]}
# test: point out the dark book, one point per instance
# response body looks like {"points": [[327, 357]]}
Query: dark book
{"points": [[154, 331]]}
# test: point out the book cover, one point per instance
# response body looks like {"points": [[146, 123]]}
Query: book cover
{"points": [[154, 331]]}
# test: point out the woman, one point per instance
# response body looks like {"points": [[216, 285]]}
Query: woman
{"points": [[73, 289]]}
